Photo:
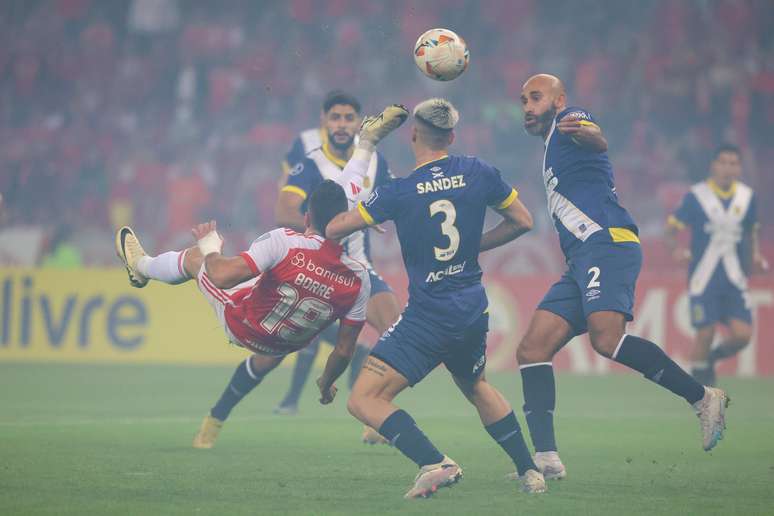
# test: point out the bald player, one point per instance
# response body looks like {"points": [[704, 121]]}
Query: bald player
{"points": [[596, 294]]}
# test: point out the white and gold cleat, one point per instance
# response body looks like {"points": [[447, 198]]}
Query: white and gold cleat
{"points": [[548, 463], [711, 410], [130, 251], [208, 433], [371, 436], [532, 482], [375, 128], [433, 477]]}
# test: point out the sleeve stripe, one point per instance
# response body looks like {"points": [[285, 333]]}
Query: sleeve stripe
{"points": [[508, 200], [587, 122], [351, 322], [675, 222], [364, 213], [250, 262], [294, 189]]}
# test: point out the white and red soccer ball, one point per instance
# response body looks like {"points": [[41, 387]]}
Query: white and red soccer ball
{"points": [[441, 54]]}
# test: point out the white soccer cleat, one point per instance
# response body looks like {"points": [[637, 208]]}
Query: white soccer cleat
{"points": [[375, 128], [711, 410], [532, 482], [130, 251], [433, 477], [550, 465]]}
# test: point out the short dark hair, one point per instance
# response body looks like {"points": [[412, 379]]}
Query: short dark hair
{"points": [[339, 97], [326, 201], [727, 147]]}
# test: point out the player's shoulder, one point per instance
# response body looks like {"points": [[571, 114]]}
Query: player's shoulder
{"points": [[290, 239], [471, 165], [305, 166]]}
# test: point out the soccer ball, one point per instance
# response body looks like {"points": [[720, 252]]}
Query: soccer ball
{"points": [[441, 54]]}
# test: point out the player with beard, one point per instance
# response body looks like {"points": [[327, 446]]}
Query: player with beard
{"points": [[322, 154], [596, 294]]}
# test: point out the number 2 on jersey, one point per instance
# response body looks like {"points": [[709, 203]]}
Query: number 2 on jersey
{"points": [[448, 229], [307, 317]]}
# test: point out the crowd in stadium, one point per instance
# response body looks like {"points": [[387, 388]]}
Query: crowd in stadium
{"points": [[161, 113]]}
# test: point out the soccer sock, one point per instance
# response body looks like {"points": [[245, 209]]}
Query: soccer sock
{"points": [[725, 350], [507, 433], [166, 267], [304, 362], [361, 353], [243, 381], [650, 360], [539, 388], [402, 431]]}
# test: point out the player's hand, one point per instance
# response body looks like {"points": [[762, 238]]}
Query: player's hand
{"points": [[681, 256], [326, 395], [207, 238], [760, 264]]}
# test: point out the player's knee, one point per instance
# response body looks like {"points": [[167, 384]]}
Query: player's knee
{"points": [[742, 336], [604, 342], [355, 405], [530, 352]]}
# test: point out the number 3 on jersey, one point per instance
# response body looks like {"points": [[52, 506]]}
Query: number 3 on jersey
{"points": [[448, 229]]}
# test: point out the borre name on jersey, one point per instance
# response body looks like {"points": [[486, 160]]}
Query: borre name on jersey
{"points": [[305, 283]]}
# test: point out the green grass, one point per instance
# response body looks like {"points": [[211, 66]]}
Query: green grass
{"points": [[116, 440]]}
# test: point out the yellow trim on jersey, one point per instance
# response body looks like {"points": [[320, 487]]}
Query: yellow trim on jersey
{"points": [[364, 213], [675, 223], [623, 235], [587, 122], [428, 162], [294, 189], [508, 200], [723, 194]]}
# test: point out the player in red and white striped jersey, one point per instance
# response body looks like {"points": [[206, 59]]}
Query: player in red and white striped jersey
{"points": [[274, 298]]}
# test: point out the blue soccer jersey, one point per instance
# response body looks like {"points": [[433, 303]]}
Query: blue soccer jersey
{"points": [[721, 224], [582, 201], [439, 212]]}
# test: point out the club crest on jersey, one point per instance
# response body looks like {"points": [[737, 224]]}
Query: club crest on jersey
{"points": [[297, 169]]}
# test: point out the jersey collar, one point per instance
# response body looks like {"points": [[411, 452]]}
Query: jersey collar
{"points": [[426, 163], [723, 194]]}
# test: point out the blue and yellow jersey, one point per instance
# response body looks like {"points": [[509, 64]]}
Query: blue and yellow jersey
{"points": [[581, 191], [439, 212], [319, 164], [304, 143], [723, 218]]}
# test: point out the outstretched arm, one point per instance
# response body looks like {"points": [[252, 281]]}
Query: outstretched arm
{"points": [[585, 133], [760, 263], [679, 253], [346, 223], [224, 272], [516, 221], [338, 360]]}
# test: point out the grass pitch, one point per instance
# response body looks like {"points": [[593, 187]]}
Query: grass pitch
{"points": [[117, 440]]}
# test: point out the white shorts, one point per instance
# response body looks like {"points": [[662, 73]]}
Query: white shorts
{"points": [[219, 298]]}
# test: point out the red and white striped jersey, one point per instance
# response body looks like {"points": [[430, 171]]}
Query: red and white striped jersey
{"points": [[305, 283]]}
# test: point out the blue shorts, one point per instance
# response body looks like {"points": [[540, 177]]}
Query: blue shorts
{"points": [[378, 285], [720, 304], [414, 347], [601, 278]]}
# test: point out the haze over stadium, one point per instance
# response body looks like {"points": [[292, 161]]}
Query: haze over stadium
{"points": [[160, 115]]}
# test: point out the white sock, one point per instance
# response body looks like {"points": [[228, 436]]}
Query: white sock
{"points": [[355, 171], [166, 267]]}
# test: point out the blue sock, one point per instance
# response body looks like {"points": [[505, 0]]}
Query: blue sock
{"points": [[403, 433], [539, 402], [361, 353], [507, 433], [304, 362], [243, 381], [650, 360]]}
